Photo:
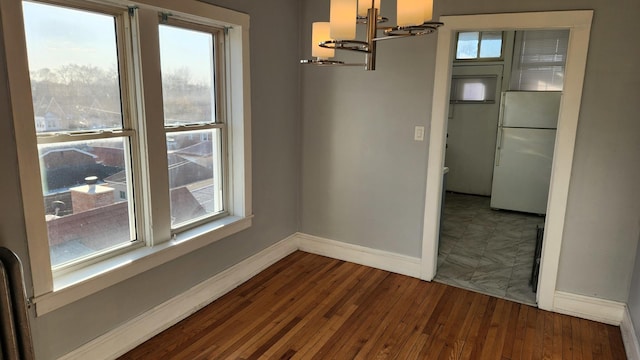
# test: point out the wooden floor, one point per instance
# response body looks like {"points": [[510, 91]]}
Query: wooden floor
{"points": [[311, 307]]}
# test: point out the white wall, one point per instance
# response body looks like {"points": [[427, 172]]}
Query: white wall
{"points": [[363, 176], [275, 145]]}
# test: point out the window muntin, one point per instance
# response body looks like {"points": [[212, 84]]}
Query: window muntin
{"points": [[83, 141], [195, 157], [476, 45]]}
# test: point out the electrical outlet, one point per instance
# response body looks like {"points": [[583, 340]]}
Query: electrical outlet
{"points": [[418, 133]]}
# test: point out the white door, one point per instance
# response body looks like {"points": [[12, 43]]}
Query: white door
{"points": [[473, 123], [523, 169]]}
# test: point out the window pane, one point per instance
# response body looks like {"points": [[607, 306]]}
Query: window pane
{"points": [[187, 65], [540, 63], [73, 66], [467, 45], [491, 44], [86, 195], [194, 175], [473, 88]]}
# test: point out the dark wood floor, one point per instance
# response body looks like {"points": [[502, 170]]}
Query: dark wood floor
{"points": [[311, 307]]}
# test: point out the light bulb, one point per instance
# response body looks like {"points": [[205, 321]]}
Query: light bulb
{"points": [[428, 10], [410, 12], [365, 5], [343, 19], [320, 33]]}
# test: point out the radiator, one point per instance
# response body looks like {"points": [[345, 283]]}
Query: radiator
{"points": [[15, 335]]}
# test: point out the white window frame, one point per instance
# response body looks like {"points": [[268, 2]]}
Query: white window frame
{"points": [[52, 292]]}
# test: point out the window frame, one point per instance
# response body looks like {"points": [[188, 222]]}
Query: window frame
{"points": [[52, 292]]}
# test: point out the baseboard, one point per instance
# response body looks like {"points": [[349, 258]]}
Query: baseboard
{"points": [[590, 308], [629, 336], [140, 329], [384, 260]]}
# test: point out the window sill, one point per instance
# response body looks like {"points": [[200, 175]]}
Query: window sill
{"points": [[75, 285]]}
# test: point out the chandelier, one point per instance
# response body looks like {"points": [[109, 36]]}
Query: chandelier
{"points": [[414, 18]]}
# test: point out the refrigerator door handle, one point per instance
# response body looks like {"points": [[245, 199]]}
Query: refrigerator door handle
{"points": [[501, 113], [499, 147]]}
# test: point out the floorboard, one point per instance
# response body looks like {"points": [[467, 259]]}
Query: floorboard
{"points": [[312, 307]]}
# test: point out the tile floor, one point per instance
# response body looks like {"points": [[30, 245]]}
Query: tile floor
{"points": [[488, 251]]}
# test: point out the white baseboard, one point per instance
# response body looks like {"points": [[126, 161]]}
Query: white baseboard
{"points": [[384, 260], [629, 336], [590, 308], [140, 329]]}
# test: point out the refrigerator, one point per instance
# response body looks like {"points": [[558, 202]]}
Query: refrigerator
{"points": [[524, 150]]}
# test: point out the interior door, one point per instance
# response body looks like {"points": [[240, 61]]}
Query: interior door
{"points": [[473, 121]]}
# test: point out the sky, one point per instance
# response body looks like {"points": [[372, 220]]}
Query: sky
{"points": [[59, 36]]}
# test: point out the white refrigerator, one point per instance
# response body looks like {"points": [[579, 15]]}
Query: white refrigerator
{"points": [[524, 150]]}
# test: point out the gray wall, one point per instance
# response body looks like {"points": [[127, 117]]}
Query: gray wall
{"points": [[634, 295], [363, 177], [275, 143]]}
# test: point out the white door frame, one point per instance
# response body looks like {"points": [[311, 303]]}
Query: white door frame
{"points": [[579, 24]]}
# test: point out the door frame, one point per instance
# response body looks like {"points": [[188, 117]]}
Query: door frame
{"points": [[579, 24]]}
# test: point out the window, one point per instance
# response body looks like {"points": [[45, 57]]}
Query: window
{"points": [[193, 122], [473, 89], [116, 138], [76, 90], [475, 45], [539, 60]]}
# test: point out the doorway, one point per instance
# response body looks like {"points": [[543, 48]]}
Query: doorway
{"points": [[480, 248], [471, 130], [579, 25]]}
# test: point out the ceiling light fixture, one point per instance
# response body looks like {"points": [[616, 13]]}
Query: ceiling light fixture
{"points": [[413, 16]]}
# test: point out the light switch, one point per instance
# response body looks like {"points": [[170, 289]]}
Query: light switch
{"points": [[418, 134]]}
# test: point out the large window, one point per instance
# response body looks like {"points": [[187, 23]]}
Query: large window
{"points": [[192, 120], [125, 161], [84, 141]]}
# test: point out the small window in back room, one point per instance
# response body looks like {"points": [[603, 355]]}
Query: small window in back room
{"points": [[473, 89], [475, 45]]}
